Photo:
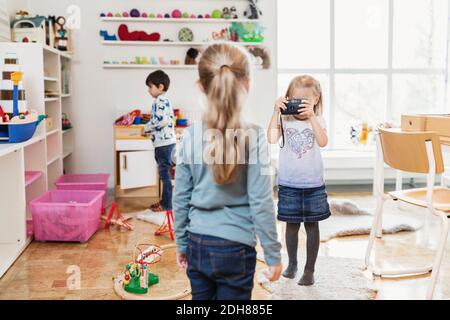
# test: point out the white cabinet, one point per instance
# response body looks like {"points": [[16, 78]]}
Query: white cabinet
{"points": [[137, 169]]}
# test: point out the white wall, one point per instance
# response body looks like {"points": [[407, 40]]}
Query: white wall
{"points": [[99, 95]]}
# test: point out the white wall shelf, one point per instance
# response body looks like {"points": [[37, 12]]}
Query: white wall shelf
{"points": [[52, 132], [175, 20], [51, 79], [148, 66], [65, 96], [177, 43], [51, 99], [155, 66]]}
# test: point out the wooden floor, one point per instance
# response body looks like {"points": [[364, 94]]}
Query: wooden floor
{"points": [[42, 270]]}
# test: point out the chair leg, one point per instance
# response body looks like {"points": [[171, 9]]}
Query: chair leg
{"points": [[438, 258], [377, 221]]}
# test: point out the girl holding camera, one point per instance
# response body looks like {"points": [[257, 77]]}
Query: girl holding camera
{"points": [[302, 194]]}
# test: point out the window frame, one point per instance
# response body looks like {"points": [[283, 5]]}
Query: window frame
{"points": [[389, 72]]}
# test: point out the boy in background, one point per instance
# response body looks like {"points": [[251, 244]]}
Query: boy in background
{"points": [[162, 131]]}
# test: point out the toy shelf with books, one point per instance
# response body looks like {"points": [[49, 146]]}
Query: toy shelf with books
{"points": [[29, 168]]}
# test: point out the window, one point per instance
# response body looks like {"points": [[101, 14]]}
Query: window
{"points": [[376, 59]]}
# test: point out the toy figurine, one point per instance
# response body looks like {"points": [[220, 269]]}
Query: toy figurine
{"points": [[253, 12], [226, 13], [61, 39], [233, 13]]}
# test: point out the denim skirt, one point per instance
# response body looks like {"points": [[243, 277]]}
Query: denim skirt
{"points": [[303, 205]]}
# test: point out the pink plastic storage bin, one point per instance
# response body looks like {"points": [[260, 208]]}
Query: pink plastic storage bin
{"points": [[69, 216], [84, 182]]}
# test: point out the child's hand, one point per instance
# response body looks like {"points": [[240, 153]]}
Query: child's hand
{"points": [[306, 110], [182, 260], [274, 273], [280, 105]]}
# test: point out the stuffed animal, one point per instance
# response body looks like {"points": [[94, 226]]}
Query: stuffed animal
{"points": [[233, 13], [226, 13], [262, 54], [192, 56], [253, 12], [126, 35]]}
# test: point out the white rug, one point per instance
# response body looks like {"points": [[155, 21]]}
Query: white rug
{"points": [[336, 279], [349, 220], [151, 217]]}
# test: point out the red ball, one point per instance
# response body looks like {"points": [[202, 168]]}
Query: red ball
{"points": [[127, 278], [176, 14], [125, 14], [144, 15], [110, 15]]}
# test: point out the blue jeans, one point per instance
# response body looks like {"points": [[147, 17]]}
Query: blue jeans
{"points": [[163, 156], [219, 269]]}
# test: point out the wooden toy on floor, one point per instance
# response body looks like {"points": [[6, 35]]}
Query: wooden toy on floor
{"points": [[150, 254], [167, 226], [120, 220]]}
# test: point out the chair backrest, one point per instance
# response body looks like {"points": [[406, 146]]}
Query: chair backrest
{"points": [[406, 151]]}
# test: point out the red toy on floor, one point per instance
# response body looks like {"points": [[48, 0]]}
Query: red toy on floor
{"points": [[126, 35]]}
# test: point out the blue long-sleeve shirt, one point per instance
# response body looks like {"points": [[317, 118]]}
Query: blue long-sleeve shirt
{"points": [[162, 126], [240, 211]]}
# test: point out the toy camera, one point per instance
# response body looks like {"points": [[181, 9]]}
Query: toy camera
{"points": [[292, 107]]}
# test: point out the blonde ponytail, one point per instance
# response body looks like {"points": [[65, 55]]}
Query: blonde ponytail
{"points": [[223, 71]]}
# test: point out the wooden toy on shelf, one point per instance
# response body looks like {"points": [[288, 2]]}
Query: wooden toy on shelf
{"points": [[61, 39], [29, 30]]}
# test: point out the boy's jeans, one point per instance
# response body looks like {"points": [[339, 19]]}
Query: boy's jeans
{"points": [[163, 156], [219, 269]]}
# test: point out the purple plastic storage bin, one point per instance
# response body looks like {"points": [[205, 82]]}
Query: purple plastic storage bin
{"points": [[68, 216], [84, 182]]}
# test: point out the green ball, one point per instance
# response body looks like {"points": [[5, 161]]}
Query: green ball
{"points": [[152, 15], [118, 15], [186, 15], [217, 14]]}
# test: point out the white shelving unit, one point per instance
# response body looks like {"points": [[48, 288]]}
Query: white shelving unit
{"points": [[176, 43], [155, 66], [29, 169], [175, 20]]}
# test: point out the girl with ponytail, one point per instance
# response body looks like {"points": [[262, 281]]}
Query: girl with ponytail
{"points": [[223, 195]]}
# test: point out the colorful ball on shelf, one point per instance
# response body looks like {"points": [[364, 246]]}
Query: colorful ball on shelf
{"points": [[110, 15], [186, 15], [186, 35], [193, 16], [159, 16], [102, 15], [167, 16], [200, 16], [125, 14], [144, 15], [118, 15], [217, 14], [176, 14], [152, 15], [135, 13], [207, 16]]}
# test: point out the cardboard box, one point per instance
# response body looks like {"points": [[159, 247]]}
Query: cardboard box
{"points": [[129, 132]]}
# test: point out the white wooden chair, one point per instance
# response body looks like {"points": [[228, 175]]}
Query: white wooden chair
{"points": [[417, 153]]}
